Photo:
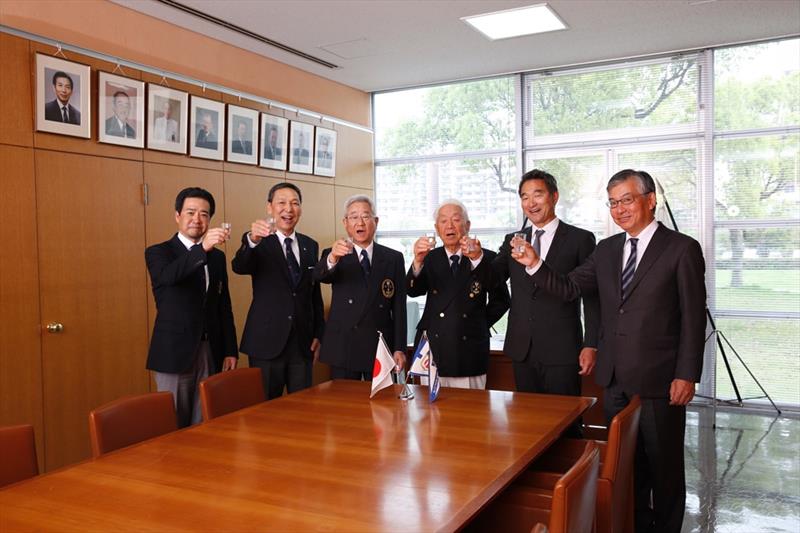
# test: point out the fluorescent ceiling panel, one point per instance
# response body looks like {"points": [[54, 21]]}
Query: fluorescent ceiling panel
{"points": [[528, 20]]}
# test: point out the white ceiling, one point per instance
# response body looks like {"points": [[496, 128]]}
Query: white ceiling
{"points": [[383, 44]]}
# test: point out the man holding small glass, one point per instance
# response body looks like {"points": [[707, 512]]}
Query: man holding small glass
{"points": [[368, 297], [285, 320], [545, 341], [464, 297], [194, 335]]}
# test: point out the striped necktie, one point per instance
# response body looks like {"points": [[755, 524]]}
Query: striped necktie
{"points": [[630, 268]]}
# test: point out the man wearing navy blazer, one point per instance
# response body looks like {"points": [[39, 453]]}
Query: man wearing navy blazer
{"points": [[59, 109], [464, 298], [545, 340], [285, 320], [650, 283], [369, 296], [117, 124], [194, 334]]}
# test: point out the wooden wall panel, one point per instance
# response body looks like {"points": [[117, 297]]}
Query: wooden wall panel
{"points": [[354, 159], [90, 220], [21, 359], [16, 105]]}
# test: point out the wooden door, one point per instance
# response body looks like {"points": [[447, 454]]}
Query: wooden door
{"points": [[90, 218]]}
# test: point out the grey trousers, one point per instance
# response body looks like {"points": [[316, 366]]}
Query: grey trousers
{"points": [[185, 387]]}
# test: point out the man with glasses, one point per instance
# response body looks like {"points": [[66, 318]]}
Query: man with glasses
{"points": [[650, 283], [369, 296]]}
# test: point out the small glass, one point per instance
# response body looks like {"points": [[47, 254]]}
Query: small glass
{"points": [[472, 242], [272, 225], [431, 236], [226, 227], [349, 242], [520, 238]]}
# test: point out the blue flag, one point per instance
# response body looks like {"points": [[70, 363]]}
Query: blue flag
{"points": [[422, 358], [433, 381]]}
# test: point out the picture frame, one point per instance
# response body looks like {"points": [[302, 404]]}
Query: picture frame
{"points": [[206, 128], [301, 153], [167, 112], [325, 152], [63, 97], [120, 110], [242, 145], [274, 151]]}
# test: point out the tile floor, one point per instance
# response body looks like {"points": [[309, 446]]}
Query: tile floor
{"points": [[745, 475]]}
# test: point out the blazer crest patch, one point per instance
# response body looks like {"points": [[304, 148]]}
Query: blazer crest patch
{"points": [[474, 288], [387, 288]]}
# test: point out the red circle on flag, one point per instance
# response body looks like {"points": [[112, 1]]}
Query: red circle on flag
{"points": [[376, 369]]}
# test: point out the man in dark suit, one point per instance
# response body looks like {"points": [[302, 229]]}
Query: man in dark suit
{"points": [[544, 339], [464, 298], [60, 110], [272, 150], [369, 296], [194, 335], [301, 154], [650, 282], [117, 125], [284, 324], [241, 144], [206, 135]]}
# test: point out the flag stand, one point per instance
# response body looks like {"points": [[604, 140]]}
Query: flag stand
{"points": [[406, 394]]}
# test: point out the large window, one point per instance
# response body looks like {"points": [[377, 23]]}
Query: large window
{"points": [[719, 130]]}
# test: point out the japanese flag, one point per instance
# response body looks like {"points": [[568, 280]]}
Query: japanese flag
{"points": [[382, 370]]}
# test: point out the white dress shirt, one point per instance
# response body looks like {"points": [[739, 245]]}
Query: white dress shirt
{"points": [[645, 236], [357, 249], [545, 240], [188, 243]]}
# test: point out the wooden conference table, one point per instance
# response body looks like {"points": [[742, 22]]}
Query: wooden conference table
{"points": [[326, 458]]}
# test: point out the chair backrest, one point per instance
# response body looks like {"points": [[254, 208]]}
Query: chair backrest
{"points": [[18, 452], [230, 391], [130, 420], [618, 460], [575, 494]]}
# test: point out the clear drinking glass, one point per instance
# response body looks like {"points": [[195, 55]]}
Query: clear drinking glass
{"points": [[226, 226], [272, 225], [472, 241], [431, 236], [520, 239]]}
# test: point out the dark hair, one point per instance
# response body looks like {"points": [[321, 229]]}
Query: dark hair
{"points": [[536, 174], [284, 185], [121, 93], [195, 192], [645, 180], [61, 74]]}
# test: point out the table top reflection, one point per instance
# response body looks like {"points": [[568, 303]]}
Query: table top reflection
{"points": [[327, 458]]}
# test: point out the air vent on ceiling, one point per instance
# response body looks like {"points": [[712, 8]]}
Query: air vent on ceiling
{"points": [[248, 33]]}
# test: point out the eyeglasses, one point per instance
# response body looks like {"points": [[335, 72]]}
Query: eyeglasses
{"points": [[625, 200], [356, 218]]}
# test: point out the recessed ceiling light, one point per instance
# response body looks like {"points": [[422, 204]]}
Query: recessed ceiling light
{"points": [[516, 22]]}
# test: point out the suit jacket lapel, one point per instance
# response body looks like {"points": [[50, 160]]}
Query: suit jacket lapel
{"points": [[658, 243], [617, 246], [441, 265], [273, 245]]}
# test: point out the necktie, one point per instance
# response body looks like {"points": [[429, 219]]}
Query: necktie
{"points": [[64, 114], [630, 268], [291, 260], [365, 268], [537, 243], [454, 264]]}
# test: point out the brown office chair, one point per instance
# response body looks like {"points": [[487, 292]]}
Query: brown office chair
{"points": [[18, 450], [230, 391], [130, 420], [564, 503], [614, 513]]}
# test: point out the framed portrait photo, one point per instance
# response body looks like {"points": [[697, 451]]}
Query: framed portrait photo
{"points": [[242, 135], [274, 142], [325, 148], [63, 90], [167, 112], [301, 154], [120, 110], [207, 128]]}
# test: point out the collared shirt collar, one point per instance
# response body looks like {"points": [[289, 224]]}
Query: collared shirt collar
{"points": [[282, 237], [548, 228], [186, 241], [645, 235], [369, 250]]}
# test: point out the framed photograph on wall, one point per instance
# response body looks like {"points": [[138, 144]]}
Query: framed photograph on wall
{"points": [[274, 141], [62, 97], [120, 110], [206, 128], [242, 135], [325, 148], [167, 112], [301, 155]]}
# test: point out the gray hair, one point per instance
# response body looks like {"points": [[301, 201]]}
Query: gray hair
{"points": [[359, 198], [452, 201]]}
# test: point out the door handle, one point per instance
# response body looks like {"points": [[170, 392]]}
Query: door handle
{"points": [[55, 327]]}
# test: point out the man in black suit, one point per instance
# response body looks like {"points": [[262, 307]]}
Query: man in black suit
{"points": [[284, 324], [301, 154], [369, 296], [545, 339], [464, 298], [194, 335], [60, 110], [206, 135], [117, 125], [650, 282], [241, 144], [272, 150]]}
